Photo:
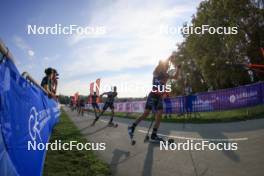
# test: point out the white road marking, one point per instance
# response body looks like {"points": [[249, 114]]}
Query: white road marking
{"points": [[198, 139], [191, 138], [103, 121]]}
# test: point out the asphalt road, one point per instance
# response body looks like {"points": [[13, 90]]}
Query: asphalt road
{"points": [[146, 159]]}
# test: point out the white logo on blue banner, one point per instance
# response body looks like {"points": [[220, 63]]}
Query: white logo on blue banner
{"points": [[37, 120], [33, 125]]}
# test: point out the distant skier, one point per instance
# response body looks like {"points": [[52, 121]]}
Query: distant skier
{"points": [[81, 106], [109, 103], [95, 104]]}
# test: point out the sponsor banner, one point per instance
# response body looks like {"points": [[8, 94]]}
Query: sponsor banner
{"points": [[226, 99], [233, 98], [26, 114], [239, 97], [134, 106]]}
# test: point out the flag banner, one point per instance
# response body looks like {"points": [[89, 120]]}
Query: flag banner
{"points": [[91, 91], [27, 116], [97, 88], [226, 99], [76, 97]]}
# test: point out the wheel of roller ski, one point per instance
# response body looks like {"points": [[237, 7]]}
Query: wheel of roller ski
{"points": [[171, 141], [146, 139]]}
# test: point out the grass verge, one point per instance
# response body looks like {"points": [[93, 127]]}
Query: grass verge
{"points": [[74, 162], [206, 117]]}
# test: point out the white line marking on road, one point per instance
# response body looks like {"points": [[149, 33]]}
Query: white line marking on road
{"points": [[103, 121], [197, 139], [191, 138]]}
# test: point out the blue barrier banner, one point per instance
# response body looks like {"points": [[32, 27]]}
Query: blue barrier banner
{"points": [[226, 99], [27, 116]]}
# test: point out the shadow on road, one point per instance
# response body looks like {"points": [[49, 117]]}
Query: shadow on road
{"points": [[96, 131], [148, 163], [229, 153], [119, 156]]}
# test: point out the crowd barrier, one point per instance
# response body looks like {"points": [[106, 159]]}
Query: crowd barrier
{"points": [[219, 100], [27, 116]]}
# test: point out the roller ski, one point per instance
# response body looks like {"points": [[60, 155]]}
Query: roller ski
{"points": [[111, 124], [95, 120], [154, 138], [93, 123], [131, 135]]}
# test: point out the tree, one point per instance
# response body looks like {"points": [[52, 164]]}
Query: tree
{"points": [[210, 59]]}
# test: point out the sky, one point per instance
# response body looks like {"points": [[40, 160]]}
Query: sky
{"points": [[135, 38]]}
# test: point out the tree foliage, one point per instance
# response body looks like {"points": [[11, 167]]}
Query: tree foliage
{"points": [[209, 61]]}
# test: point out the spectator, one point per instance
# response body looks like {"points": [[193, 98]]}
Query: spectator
{"points": [[54, 81], [46, 82]]}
